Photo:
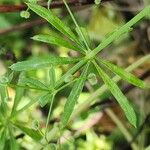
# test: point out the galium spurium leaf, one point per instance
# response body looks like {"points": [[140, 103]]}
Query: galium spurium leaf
{"points": [[73, 97], [56, 40], [70, 72], [85, 34], [52, 76], [18, 96], [34, 83], [41, 62], [45, 98], [122, 30], [34, 134], [53, 20], [124, 74], [19, 93], [3, 138], [12, 141], [120, 97]]}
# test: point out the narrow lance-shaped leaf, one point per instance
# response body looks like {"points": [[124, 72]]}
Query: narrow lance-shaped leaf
{"points": [[120, 97], [121, 31], [52, 76], [73, 97], [19, 94], [30, 132], [53, 20], [124, 74], [33, 83], [57, 40], [70, 72], [40, 62], [4, 98], [85, 34], [13, 142], [45, 98], [3, 137]]}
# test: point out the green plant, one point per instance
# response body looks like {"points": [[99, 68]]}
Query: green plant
{"points": [[77, 41]]}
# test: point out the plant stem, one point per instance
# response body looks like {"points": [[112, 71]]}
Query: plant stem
{"points": [[48, 4], [49, 114], [125, 28], [55, 4], [122, 128], [27, 87], [75, 22], [91, 100], [119, 124], [70, 72], [58, 83]]}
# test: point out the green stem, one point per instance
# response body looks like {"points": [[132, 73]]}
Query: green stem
{"points": [[125, 28], [58, 83], [92, 99], [27, 87], [122, 128], [119, 124], [70, 72], [49, 114], [75, 22], [48, 4]]}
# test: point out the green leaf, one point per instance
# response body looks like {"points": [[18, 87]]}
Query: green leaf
{"points": [[45, 98], [73, 97], [70, 72], [41, 62], [53, 20], [19, 94], [52, 76], [85, 34], [56, 40], [120, 97], [13, 145], [34, 134], [33, 83], [122, 30], [2, 139], [97, 2], [124, 74], [77, 26], [4, 99]]}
